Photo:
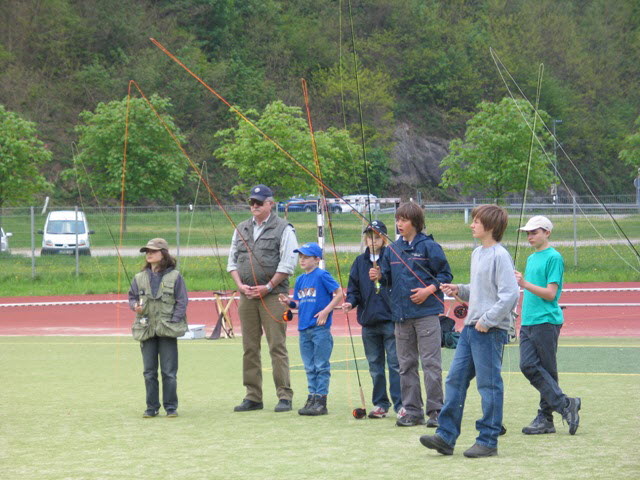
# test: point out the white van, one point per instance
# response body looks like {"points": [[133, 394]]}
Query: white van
{"points": [[62, 229], [4, 240], [360, 203]]}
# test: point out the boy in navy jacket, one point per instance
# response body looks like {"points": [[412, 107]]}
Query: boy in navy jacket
{"points": [[374, 314], [413, 267]]}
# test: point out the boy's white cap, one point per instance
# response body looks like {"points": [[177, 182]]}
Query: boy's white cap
{"points": [[539, 221]]}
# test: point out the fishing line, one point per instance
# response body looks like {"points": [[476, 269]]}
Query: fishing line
{"points": [[252, 258], [358, 413], [500, 67]]}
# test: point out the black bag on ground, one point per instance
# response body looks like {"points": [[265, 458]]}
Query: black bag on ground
{"points": [[448, 330]]}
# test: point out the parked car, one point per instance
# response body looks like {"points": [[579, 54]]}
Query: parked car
{"points": [[359, 202], [4, 240], [62, 229], [304, 204]]}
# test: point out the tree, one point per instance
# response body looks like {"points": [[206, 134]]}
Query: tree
{"points": [[155, 167], [21, 154], [494, 155], [259, 161], [631, 153]]}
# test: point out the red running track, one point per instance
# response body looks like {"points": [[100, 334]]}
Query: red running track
{"points": [[116, 318]]}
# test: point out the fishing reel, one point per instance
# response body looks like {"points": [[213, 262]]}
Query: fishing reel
{"points": [[287, 315], [460, 311], [359, 413]]}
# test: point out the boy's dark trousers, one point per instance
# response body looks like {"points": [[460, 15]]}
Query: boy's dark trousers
{"points": [[538, 349], [167, 349]]}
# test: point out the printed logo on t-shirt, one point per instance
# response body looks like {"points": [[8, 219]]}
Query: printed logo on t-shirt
{"points": [[306, 293]]}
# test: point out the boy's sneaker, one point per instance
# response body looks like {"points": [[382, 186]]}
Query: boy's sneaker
{"points": [[378, 412], [432, 422], [409, 420], [306, 409], [436, 442], [319, 406], [172, 413], [539, 425], [150, 413], [571, 416], [401, 413], [478, 451]]}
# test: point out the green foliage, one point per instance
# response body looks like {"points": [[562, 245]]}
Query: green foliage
{"points": [[494, 157], [155, 167], [22, 154], [259, 161], [631, 153], [422, 63]]}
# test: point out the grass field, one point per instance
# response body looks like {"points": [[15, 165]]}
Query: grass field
{"points": [[56, 274], [72, 406]]}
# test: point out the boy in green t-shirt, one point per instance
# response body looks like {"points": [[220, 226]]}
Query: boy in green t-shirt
{"points": [[541, 323]]}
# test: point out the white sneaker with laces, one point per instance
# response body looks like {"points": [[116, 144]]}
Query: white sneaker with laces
{"points": [[378, 412], [401, 413]]}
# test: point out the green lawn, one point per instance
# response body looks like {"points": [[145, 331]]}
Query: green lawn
{"points": [[72, 409]]}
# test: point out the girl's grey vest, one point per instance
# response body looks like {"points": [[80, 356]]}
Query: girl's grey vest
{"points": [[257, 261], [156, 318]]}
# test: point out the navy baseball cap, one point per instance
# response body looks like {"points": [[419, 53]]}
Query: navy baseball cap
{"points": [[261, 192], [310, 249], [376, 226]]}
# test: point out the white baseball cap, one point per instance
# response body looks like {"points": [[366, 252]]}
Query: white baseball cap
{"points": [[539, 221]]}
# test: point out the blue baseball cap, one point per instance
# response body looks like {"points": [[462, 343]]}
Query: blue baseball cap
{"points": [[376, 226], [261, 192], [310, 249]]}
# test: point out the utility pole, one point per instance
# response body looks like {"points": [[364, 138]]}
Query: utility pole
{"points": [[554, 188]]}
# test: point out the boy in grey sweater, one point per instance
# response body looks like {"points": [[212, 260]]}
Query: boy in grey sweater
{"points": [[492, 294]]}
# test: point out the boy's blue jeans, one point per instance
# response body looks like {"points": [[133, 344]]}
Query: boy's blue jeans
{"points": [[477, 355], [316, 345], [379, 339]]}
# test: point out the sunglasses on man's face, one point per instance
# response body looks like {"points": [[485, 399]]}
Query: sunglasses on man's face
{"points": [[255, 202]]}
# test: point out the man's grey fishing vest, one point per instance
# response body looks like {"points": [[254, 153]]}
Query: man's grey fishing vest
{"points": [[257, 261]]}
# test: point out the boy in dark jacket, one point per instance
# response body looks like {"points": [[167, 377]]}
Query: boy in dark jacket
{"points": [[413, 267], [374, 315]]}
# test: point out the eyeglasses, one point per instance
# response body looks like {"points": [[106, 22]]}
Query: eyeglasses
{"points": [[255, 202]]}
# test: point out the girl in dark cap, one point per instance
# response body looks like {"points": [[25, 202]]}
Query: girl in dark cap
{"points": [[158, 295]]}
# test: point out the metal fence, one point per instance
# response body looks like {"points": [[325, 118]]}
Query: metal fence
{"points": [[202, 231]]}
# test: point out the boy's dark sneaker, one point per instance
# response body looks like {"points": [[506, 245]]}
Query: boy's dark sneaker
{"points": [[172, 413], [410, 421], [319, 406], [503, 430], [539, 425], [248, 405], [307, 406], [150, 413], [435, 442], [283, 405], [432, 421], [571, 416], [479, 451]]}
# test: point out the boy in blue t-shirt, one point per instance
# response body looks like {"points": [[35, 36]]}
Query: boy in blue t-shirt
{"points": [[317, 294], [541, 323]]}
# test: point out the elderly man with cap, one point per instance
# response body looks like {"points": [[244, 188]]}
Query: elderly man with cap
{"points": [[374, 314], [261, 260]]}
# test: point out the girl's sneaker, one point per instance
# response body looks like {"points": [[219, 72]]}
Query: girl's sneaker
{"points": [[378, 412]]}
